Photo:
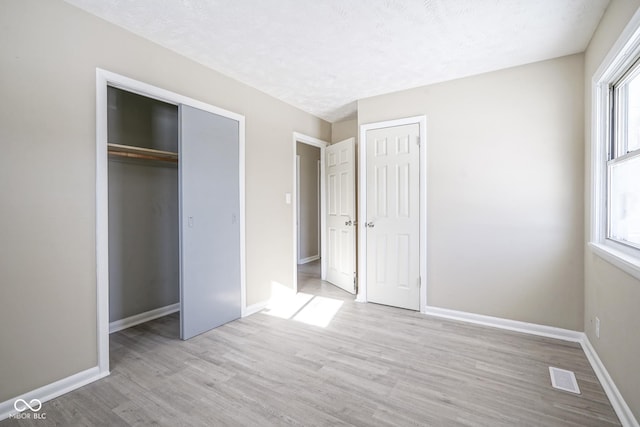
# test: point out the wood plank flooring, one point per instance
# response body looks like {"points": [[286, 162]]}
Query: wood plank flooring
{"points": [[371, 365]]}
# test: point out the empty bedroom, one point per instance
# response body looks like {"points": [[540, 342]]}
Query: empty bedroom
{"points": [[319, 213]]}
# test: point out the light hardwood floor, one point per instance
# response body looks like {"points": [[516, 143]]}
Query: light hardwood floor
{"points": [[371, 365]]}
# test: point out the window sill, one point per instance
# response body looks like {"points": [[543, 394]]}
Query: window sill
{"points": [[627, 263]]}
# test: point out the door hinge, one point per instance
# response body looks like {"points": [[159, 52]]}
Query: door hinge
{"points": [[355, 283]]}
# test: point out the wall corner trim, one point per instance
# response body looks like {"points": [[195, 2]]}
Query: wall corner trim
{"points": [[53, 390], [254, 308], [136, 319], [308, 259], [617, 401], [282, 297]]}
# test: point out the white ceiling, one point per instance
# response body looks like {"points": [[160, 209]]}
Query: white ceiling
{"points": [[323, 55]]}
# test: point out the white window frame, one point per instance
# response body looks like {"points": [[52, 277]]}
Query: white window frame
{"points": [[619, 60]]}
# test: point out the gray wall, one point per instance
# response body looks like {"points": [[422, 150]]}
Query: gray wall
{"points": [[309, 219], [143, 237], [140, 121], [610, 293], [505, 189], [343, 130], [49, 51]]}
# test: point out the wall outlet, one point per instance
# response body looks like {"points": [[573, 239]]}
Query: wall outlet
{"points": [[597, 327]]}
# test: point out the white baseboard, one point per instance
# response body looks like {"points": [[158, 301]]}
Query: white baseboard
{"points": [[254, 308], [121, 324], [53, 390], [308, 259], [510, 325], [617, 401], [283, 295], [65, 385]]}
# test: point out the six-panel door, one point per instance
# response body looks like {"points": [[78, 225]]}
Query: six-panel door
{"points": [[393, 216], [341, 215]]}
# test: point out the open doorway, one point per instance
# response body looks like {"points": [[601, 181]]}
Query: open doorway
{"points": [[309, 210], [324, 190]]}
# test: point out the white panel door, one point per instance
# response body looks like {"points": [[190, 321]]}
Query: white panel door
{"points": [[393, 216], [210, 290], [341, 215]]}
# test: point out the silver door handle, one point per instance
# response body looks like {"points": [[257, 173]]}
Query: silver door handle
{"points": [[369, 224], [348, 222]]}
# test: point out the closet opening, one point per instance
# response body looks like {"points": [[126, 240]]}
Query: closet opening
{"points": [[170, 222], [143, 212]]}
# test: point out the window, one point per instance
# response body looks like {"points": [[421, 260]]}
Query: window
{"points": [[623, 161], [615, 154]]}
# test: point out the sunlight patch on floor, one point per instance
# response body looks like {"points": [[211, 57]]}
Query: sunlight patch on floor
{"points": [[287, 306], [319, 311], [305, 308]]}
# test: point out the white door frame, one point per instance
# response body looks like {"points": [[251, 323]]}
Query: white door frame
{"points": [[103, 79], [362, 205], [315, 142], [297, 199], [318, 191]]}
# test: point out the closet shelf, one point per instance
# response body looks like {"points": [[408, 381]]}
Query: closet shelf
{"points": [[141, 153]]}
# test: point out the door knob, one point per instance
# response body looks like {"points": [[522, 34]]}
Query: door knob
{"points": [[348, 222], [370, 224]]}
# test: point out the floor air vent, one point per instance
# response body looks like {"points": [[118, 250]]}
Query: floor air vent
{"points": [[564, 380]]}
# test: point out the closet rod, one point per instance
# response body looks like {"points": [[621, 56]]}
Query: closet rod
{"points": [[141, 153]]}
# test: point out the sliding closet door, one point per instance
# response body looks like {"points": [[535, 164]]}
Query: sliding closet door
{"points": [[209, 221]]}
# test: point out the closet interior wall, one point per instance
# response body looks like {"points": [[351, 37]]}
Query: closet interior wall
{"points": [[143, 207]]}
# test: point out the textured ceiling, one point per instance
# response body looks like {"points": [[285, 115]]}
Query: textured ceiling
{"points": [[323, 55]]}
